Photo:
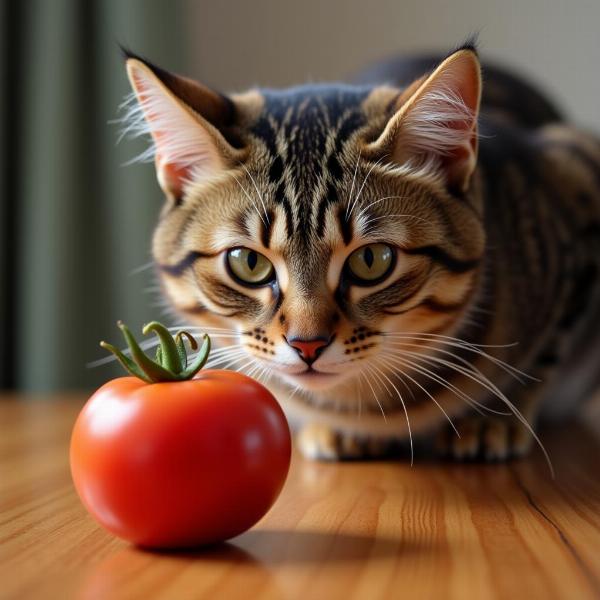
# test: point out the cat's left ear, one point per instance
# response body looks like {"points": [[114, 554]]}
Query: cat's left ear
{"points": [[435, 122], [185, 120]]}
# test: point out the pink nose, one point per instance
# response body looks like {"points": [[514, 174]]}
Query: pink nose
{"points": [[308, 350]]}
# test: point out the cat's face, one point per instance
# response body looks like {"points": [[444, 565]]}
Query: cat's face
{"points": [[316, 222]]}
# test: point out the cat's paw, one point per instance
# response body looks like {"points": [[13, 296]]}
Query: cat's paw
{"points": [[493, 439], [319, 442]]}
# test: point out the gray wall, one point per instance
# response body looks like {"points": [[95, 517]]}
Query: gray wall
{"points": [[237, 44]]}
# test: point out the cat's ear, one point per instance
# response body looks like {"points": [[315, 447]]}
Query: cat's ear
{"points": [[435, 123], [183, 117]]}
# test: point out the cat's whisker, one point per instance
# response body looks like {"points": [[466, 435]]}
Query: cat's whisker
{"points": [[370, 369], [258, 373], [375, 164], [515, 411], [399, 345], [141, 268], [482, 380], [366, 376], [294, 392], [265, 375], [361, 377], [407, 216], [402, 373], [429, 374], [257, 192], [218, 354], [412, 454], [476, 348], [198, 328], [226, 358], [225, 350], [254, 369], [225, 355], [364, 209], [352, 186], [251, 362], [251, 199], [477, 377], [447, 337]]}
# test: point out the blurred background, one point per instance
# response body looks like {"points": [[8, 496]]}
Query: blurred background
{"points": [[75, 223]]}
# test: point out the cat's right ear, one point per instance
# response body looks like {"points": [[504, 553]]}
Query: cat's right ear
{"points": [[183, 117]]}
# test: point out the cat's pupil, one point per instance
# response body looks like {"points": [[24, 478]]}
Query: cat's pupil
{"points": [[252, 259], [368, 256]]}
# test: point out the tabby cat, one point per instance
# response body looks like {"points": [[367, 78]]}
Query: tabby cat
{"points": [[414, 258]]}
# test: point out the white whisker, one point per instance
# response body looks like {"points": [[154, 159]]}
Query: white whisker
{"points": [[412, 454], [353, 180], [515, 411], [364, 209], [471, 367], [251, 200], [257, 192], [375, 164], [441, 381], [476, 348], [482, 380], [372, 219], [400, 372], [371, 370], [141, 268]]}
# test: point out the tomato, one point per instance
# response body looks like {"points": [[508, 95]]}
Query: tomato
{"points": [[180, 463]]}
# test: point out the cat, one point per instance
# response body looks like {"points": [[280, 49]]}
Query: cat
{"points": [[414, 258]]}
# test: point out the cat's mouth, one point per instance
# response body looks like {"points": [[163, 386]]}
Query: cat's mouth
{"points": [[313, 379], [310, 372]]}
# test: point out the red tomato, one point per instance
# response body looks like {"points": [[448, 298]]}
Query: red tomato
{"points": [[182, 463]]}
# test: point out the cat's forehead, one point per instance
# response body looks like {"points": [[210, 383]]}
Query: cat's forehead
{"points": [[304, 138], [304, 125], [303, 104]]}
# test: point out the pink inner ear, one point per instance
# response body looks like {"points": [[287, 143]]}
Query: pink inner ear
{"points": [[468, 82], [171, 177], [440, 120], [184, 149]]}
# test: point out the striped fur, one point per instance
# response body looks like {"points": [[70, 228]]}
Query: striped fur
{"points": [[496, 240]]}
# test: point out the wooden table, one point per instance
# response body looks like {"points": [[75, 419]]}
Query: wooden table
{"points": [[353, 530]]}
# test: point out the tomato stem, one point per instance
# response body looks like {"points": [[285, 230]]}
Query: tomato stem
{"points": [[170, 357], [171, 363]]}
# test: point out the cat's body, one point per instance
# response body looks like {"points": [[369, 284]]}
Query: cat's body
{"points": [[405, 261]]}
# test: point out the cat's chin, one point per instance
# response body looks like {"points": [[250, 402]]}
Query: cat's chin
{"points": [[313, 380]]}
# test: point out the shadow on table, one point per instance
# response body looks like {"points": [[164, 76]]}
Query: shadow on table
{"points": [[275, 546], [304, 546], [137, 572]]}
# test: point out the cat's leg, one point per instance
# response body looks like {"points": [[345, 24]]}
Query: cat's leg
{"points": [[494, 438], [318, 441]]}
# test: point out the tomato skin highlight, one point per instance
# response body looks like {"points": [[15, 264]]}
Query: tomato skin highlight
{"points": [[180, 464]]}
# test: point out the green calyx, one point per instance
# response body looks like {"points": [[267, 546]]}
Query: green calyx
{"points": [[171, 362]]}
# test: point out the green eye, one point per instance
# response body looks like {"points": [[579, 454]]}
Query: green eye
{"points": [[370, 264], [249, 267]]}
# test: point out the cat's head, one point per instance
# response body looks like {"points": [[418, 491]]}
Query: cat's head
{"points": [[314, 221]]}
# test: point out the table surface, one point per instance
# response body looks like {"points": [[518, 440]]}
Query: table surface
{"points": [[350, 530]]}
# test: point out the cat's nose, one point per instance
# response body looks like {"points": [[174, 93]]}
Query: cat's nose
{"points": [[309, 350]]}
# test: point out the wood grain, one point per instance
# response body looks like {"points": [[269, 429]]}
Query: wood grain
{"points": [[352, 530]]}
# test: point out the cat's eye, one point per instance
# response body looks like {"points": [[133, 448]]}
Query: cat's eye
{"points": [[249, 267], [370, 264]]}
